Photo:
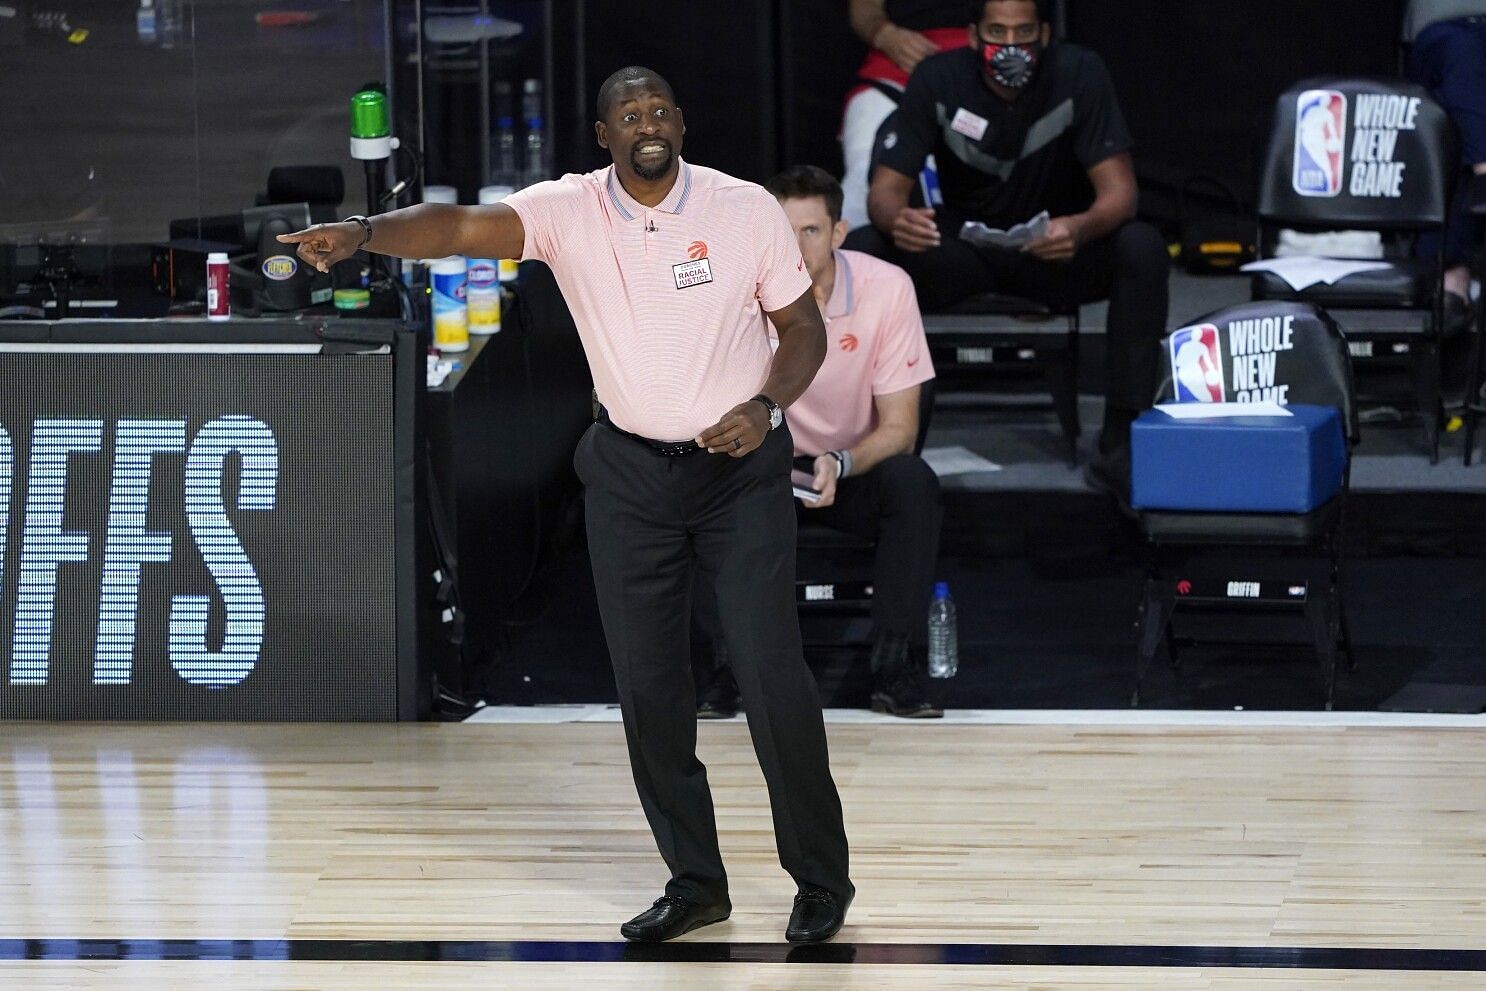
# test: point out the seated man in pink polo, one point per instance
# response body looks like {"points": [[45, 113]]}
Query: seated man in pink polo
{"points": [[855, 426]]}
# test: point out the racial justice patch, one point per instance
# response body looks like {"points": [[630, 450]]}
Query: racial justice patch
{"points": [[692, 273]]}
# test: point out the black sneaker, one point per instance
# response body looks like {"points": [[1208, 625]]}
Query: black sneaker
{"points": [[898, 683], [720, 698]]}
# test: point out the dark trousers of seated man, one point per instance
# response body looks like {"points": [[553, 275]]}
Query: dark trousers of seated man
{"points": [[1130, 268], [896, 505], [659, 526], [1449, 58]]}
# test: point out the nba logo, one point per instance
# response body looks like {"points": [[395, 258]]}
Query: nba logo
{"points": [[1197, 364], [1320, 142]]}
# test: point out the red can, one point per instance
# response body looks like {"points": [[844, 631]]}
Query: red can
{"points": [[218, 307]]}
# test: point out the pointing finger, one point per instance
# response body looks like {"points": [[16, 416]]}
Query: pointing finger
{"points": [[298, 236]]}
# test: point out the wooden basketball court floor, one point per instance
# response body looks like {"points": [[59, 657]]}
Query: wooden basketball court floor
{"points": [[1072, 850]]}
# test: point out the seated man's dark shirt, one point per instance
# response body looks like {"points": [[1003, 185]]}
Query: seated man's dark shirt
{"points": [[999, 162]]}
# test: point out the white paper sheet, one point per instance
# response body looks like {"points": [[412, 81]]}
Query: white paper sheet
{"points": [[438, 370], [1203, 411], [1302, 271], [1013, 238], [946, 461]]}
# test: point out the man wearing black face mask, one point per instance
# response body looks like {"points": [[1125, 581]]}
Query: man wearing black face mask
{"points": [[1018, 125]]}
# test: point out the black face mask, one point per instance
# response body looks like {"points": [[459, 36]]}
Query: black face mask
{"points": [[1013, 66]]}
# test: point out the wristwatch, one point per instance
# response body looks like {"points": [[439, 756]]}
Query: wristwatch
{"points": [[365, 225], [776, 415]]}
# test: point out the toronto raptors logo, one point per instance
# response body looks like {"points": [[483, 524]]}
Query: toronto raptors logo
{"points": [[696, 249], [848, 342]]}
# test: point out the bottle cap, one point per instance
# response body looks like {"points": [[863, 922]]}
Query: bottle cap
{"points": [[941, 590], [440, 194], [216, 256], [369, 116], [453, 265], [494, 194]]}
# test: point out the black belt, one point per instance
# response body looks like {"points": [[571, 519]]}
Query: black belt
{"points": [[671, 449]]}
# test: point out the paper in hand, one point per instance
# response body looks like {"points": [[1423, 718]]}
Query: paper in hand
{"points": [[802, 482], [1012, 239], [806, 494]]}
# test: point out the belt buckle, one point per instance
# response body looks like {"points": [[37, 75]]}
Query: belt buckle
{"points": [[677, 450]]}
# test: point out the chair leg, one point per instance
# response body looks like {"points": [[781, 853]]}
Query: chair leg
{"points": [[1062, 384], [1470, 432], [1338, 597], [1173, 659], [1341, 634], [1346, 631], [1424, 369], [1155, 617], [1320, 612], [1473, 383]]}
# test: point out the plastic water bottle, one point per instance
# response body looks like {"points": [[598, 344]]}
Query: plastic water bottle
{"points": [[144, 21], [537, 167], [944, 639], [168, 23], [504, 170]]}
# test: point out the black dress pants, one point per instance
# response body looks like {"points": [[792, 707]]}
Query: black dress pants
{"points": [[895, 504], [1130, 268], [652, 520]]}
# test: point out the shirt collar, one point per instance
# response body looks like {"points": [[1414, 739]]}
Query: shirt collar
{"points": [[630, 208], [843, 296]]}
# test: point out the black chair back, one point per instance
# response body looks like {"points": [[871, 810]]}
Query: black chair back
{"points": [[1377, 154], [1279, 351]]}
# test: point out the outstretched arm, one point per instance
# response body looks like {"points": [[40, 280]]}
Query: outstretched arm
{"points": [[428, 230]]}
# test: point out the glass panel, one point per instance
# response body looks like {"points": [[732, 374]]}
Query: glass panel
{"points": [[124, 124]]}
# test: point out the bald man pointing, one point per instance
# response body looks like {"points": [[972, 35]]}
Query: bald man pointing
{"points": [[670, 269]]}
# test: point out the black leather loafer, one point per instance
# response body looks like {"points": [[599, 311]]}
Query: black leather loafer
{"points": [[671, 916], [720, 700], [817, 917]]}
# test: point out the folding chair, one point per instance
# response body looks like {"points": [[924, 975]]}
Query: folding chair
{"points": [[1300, 349], [1374, 155]]}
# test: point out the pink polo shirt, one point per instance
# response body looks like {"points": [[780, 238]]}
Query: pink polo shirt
{"points": [[875, 345], [669, 300]]}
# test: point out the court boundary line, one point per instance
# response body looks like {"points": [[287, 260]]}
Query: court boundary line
{"points": [[1088, 955], [1135, 718]]}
